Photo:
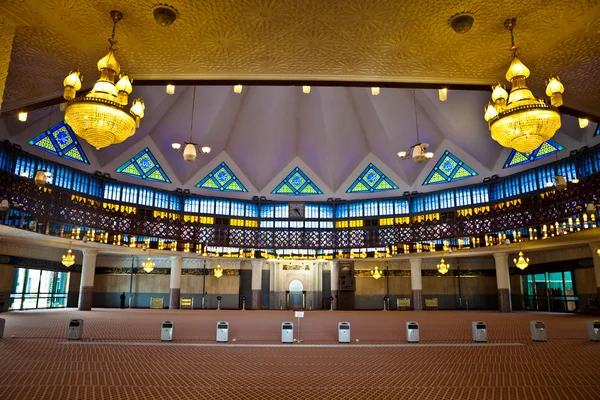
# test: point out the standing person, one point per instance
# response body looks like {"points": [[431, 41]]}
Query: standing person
{"points": [[122, 301]]}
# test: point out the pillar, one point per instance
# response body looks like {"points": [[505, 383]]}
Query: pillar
{"points": [[596, 259], [503, 282], [416, 283], [335, 282], [86, 287], [175, 284], [256, 284]]}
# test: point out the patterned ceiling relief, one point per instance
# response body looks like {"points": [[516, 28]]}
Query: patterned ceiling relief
{"points": [[449, 168], [297, 184], [144, 166], [547, 148], [222, 179], [60, 141], [371, 180], [263, 39]]}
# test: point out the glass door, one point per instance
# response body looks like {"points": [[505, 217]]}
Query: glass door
{"points": [[550, 291]]}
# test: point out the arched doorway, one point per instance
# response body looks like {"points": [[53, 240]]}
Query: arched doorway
{"points": [[296, 295]]}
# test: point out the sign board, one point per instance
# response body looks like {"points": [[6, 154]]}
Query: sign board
{"points": [[299, 314]]}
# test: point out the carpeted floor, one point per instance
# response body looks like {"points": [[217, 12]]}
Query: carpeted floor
{"points": [[121, 357]]}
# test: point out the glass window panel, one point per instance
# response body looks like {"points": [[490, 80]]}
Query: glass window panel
{"points": [[281, 210], [252, 210], [401, 206], [207, 206], [370, 208], [191, 205], [267, 210], [19, 283], [356, 209], [326, 211], [62, 282], [33, 281], [341, 211], [30, 301], [47, 282], [311, 210]]}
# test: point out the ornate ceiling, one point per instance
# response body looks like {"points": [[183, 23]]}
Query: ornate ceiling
{"points": [[356, 40]]}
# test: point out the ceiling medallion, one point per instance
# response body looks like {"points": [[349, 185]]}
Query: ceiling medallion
{"points": [[190, 149], [521, 121], [416, 152], [101, 117]]}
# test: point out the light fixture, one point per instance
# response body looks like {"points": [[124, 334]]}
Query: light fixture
{"points": [[148, 265], [522, 262], [69, 258], [170, 88], [583, 122], [375, 273], [218, 272], [443, 94], [306, 89], [190, 149], [42, 177], [443, 267], [575, 180], [521, 121], [416, 152], [101, 117], [22, 116], [237, 89], [598, 252], [375, 91]]}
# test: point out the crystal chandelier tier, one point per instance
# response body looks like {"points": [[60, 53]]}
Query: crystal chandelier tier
{"points": [[375, 273], [69, 258], [521, 121], [522, 262], [148, 265], [442, 267], [102, 117]]}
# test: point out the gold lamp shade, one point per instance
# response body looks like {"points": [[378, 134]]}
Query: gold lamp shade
{"points": [[69, 258], [522, 262], [442, 267], [376, 274], [218, 272]]}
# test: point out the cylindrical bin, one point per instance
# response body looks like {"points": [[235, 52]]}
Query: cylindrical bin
{"points": [[287, 332], [412, 332], [75, 329], [479, 329], [343, 332], [2, 323], [538, 331], [594, 330], [222, 331], [166, 332]]}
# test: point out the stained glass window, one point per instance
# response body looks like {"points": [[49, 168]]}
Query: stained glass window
{"points": [[60, 141], [297, 184], [371, 180], [547, 148], [449, 168], [597, 130], [222, 179], [144, 166]]}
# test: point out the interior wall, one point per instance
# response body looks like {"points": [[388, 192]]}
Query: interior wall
{"points": [[585, 284], [6, 281]]}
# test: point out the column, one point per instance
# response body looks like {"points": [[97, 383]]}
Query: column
{"points": [[416, 283], [175, 284], [256, 284], [335, 282], [88, 271], [503, 282], [596, 259]]}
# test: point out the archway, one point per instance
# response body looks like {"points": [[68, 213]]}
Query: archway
{"points": [[296, 294]]}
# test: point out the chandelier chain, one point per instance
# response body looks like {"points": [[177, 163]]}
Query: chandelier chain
{"points": [[193, 107], [416, 115]]}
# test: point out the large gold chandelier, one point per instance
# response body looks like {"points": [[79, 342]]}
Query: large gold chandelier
{"points": [[101, 117], [521, 121]]}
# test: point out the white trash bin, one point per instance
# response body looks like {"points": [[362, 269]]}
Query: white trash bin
{"points": [[222, 331], [538, 331], [412, 332], [166, 332], [75, 329], [287, 332], [594, 330], [479, 329], [343, 332]]}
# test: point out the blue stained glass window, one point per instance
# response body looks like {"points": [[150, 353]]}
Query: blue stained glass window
{"points": [[144, 166], [597, 130], [386, 207], [341, 211], [449, 168], [401, 206], [191, 204], [463, 197], [60, 141], [223, 179], [371, 180], [297, 184], [547, 148]]}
